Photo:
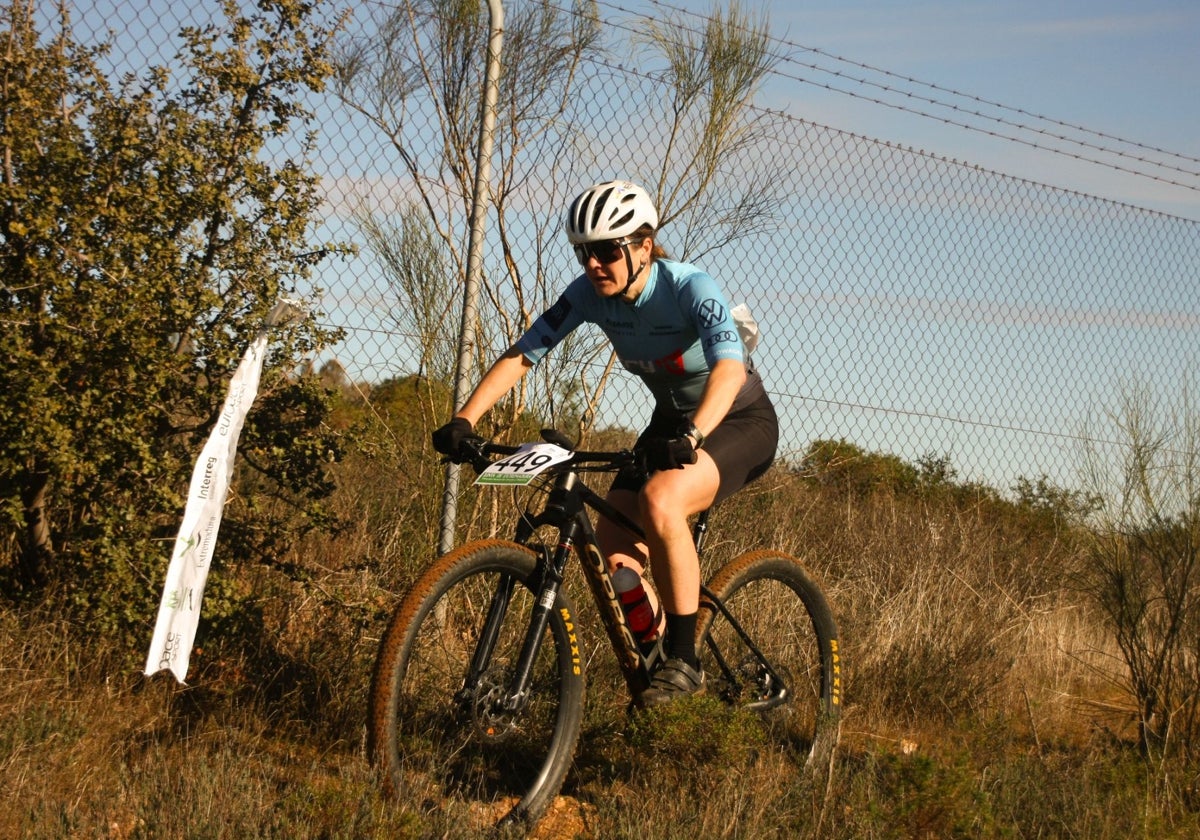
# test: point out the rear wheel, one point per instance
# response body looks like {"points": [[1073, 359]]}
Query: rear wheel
{"points": [[439, 730], [794, 678]]}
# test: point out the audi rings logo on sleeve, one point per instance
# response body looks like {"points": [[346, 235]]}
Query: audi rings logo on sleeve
{"points": [[723, 337], [711, 313]]}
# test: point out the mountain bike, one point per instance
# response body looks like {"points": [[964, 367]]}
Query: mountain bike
{"points": [[478, 689]]}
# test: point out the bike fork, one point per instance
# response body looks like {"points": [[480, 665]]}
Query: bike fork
{"points": [[518, 689], [497, 609], [547, 594], [551, 582]]}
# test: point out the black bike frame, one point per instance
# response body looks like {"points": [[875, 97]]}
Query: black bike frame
{"points": [[566, 510]]}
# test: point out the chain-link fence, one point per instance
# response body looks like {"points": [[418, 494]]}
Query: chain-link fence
{"points": [[910, 304]]}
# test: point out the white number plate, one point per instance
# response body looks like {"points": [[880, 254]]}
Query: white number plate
{"points": [[523, 465]]}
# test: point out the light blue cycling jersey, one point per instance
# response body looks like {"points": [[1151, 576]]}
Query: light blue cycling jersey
{"points": [[671, 336]]}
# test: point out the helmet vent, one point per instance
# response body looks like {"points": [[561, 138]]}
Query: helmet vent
{"points": [[601, 202]]}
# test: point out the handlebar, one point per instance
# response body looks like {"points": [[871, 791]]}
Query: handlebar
{"points": [[479, 453]]}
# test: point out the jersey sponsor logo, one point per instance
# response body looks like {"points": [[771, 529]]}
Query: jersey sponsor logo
{"points": [[723, 337], [671, 363], [711, 313], [557, 314]]}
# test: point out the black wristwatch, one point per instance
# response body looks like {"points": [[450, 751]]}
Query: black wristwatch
{"points": [[695, 434]]}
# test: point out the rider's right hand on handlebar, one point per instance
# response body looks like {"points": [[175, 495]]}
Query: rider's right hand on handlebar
{"points": [[667, 453], [449, 439]]}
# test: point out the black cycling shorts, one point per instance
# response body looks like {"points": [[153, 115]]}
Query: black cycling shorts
{"points": [[743, 445]]}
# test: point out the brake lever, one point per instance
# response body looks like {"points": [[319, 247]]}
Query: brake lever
{"points": [[474, 447], [637, 460], [470, 451]]}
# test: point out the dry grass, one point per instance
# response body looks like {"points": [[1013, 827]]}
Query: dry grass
{"points": [[983, 701]]}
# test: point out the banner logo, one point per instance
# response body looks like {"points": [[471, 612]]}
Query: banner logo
{"points": [[179, 609]]}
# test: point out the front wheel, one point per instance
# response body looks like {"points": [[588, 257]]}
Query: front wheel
{"points": [[440, 730], [786, 663]]}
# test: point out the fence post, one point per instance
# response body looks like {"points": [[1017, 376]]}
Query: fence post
{"points": [[479, 205]]}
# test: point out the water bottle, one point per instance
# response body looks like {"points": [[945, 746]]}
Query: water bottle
{"points": [[639, 615]]}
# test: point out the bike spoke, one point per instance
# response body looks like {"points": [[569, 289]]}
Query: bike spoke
{"points": [[778, 665], [449, 738]]}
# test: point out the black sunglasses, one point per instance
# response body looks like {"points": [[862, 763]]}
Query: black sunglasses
{"points": [[606, 251]]}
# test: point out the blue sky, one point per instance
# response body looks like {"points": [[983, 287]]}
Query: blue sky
{"points": [[1124, 69]]}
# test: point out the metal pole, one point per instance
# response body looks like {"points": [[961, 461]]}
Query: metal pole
{"points": [[480, 200]]}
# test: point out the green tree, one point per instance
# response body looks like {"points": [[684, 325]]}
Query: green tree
{"points": [[146, 228], [1059, 504], [847, 466]]}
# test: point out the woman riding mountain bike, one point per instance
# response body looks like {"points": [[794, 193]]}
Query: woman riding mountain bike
{"points": [[713, 429]]}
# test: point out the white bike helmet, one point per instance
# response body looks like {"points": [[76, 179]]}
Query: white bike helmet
{"points": [[612, 210]]}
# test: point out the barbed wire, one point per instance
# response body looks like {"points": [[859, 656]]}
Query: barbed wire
{"points": [[787, 58], [651, 76], [1015, 110]]}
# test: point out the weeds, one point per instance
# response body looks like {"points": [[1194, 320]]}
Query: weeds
{"points": [[983, 697]]}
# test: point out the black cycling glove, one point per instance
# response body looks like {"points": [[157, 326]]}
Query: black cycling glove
{"points": [[448, 439], [668, 453]]}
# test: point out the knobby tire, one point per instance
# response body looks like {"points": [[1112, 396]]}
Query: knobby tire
{"points": [[438, 749], [787, 616]]}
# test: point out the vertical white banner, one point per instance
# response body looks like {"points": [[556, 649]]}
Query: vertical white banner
{"points": [[179, 609]]}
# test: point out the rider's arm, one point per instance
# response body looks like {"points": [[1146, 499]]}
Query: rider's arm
{"points": [[553, 324], [723, 351], [724, 382], [498, 381]]}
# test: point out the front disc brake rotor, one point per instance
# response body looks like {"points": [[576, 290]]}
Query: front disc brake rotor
{"points": [[491, 720]]}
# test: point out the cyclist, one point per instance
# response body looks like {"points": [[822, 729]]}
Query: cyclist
{"points": [[713, 428]]}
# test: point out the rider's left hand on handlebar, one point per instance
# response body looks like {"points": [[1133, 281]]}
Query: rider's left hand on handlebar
{"points": [[449, 439], [668, 453]]}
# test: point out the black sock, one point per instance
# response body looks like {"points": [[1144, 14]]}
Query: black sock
{"points": [[681, 638]]}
